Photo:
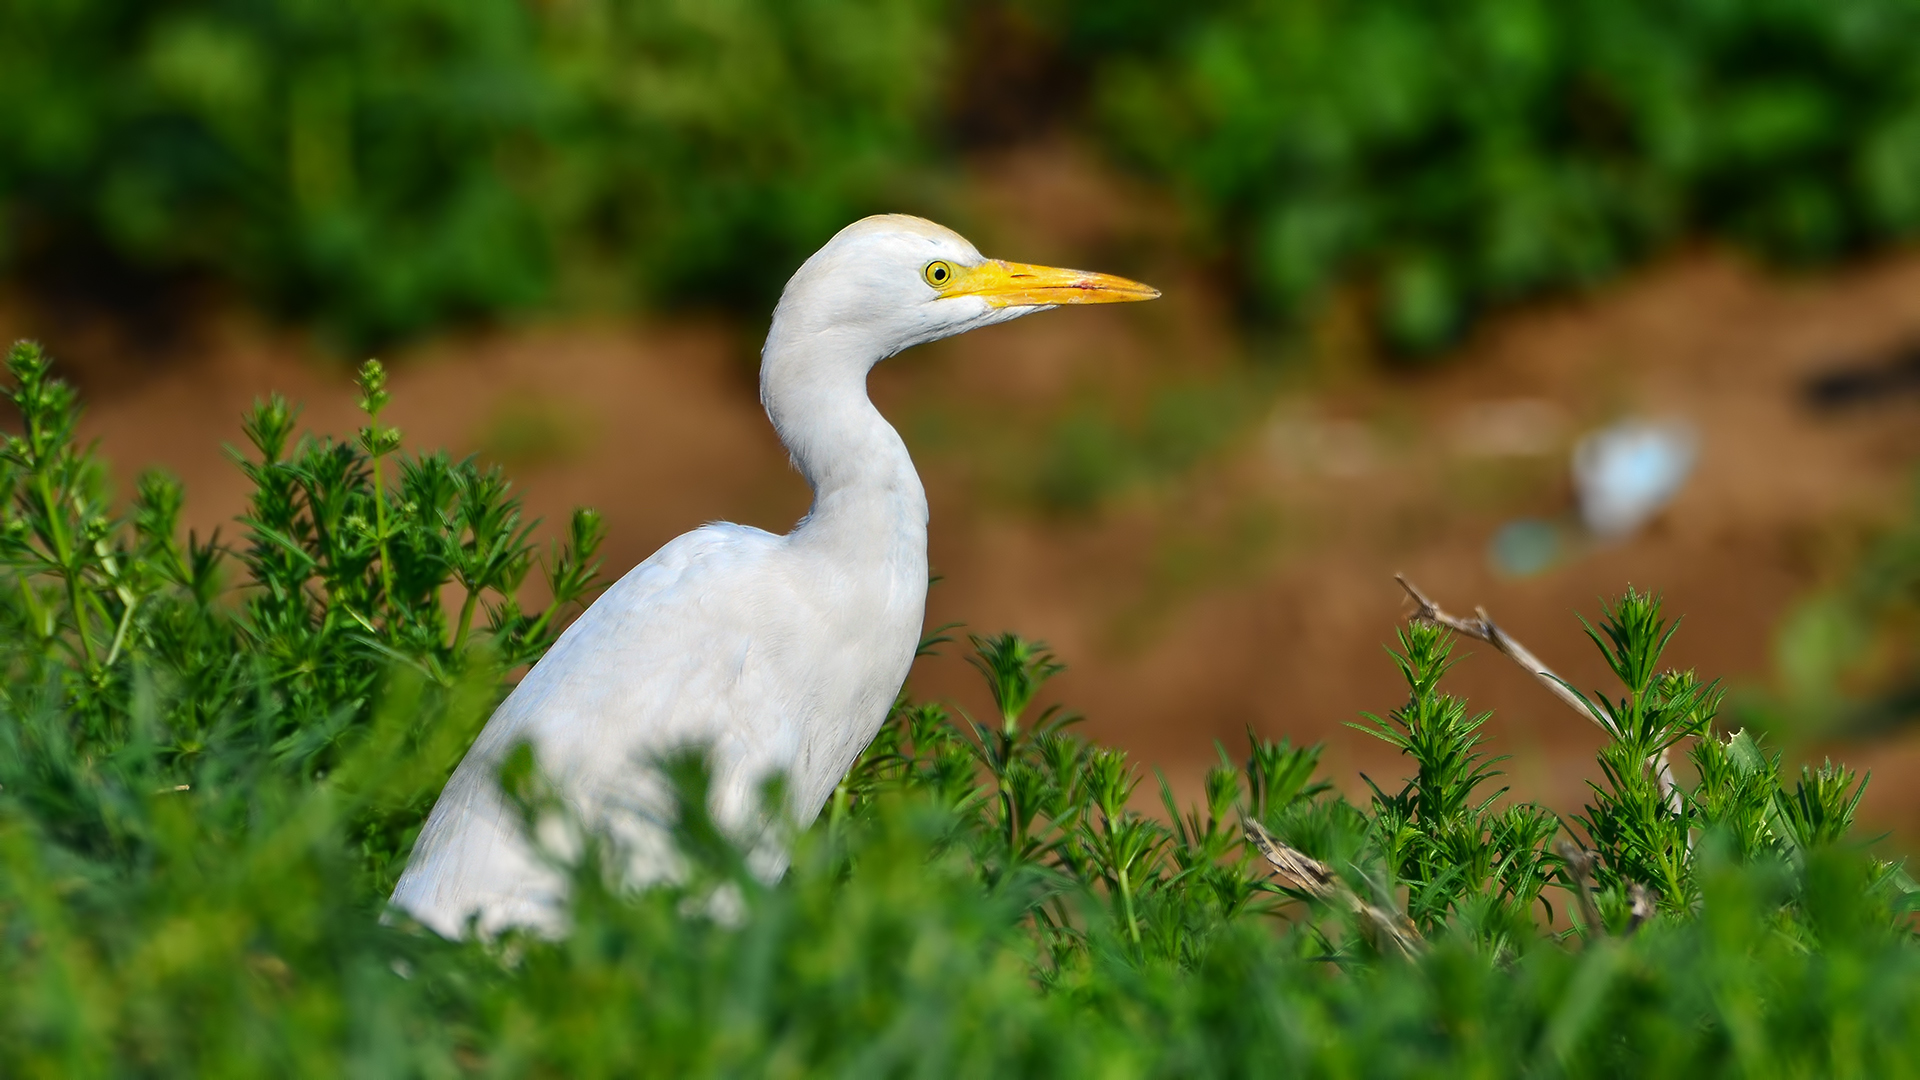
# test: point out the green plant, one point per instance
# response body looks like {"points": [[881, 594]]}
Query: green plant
{"points": [[381, 168], [1450, 157], [127, 633], [198, 830], [1457, 856], [385, 167], [1643, 833]]}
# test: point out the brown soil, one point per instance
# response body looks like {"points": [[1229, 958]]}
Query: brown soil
{"points": [[1253, 589]]}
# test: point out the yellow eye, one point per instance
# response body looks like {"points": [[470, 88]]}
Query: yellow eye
{"points": [[939, 273]]}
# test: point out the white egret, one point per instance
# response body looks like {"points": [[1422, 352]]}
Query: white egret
{"points": [[778, 653]]}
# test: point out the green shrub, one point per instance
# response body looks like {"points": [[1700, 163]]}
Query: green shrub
{"points": [[204, 796], [384, 166], [1450, 156], [120, 639]]}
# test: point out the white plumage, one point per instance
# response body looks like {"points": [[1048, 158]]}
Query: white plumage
{"points": [[779, 653]]}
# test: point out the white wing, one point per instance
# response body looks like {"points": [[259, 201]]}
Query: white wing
{"points": [[697, 645]]}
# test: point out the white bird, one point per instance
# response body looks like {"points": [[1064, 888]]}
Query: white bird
{"points": [[780, 654]]}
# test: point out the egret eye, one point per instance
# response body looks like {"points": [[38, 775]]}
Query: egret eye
{"points": [[939, 273]]}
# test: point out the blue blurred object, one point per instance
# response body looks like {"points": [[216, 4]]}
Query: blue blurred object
{"points": [[1625, 474], [1525, 547]]}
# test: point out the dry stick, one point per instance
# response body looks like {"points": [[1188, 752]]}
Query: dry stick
{"points": [[1304, 873], [1482, 628], [1580, 864], [1641, 905]]}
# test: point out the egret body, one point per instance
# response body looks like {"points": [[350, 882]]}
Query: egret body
{"points": [[780, 654]]}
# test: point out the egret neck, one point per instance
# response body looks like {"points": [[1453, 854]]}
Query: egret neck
{"points": [[868, 503]]}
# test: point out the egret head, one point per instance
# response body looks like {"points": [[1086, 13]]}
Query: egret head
{"points": [[897, 281]]}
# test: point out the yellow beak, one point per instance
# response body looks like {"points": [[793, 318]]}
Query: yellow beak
{"points": [[1005, 284]]}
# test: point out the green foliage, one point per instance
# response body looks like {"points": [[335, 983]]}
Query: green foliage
{"points": [[1453, 156], [383, 167], [1640, 825], [388, 165], [123, 635], [205, 792], [1440, 837]]}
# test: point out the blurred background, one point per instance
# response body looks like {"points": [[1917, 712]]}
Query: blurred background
{"points": [[1415, 255]]}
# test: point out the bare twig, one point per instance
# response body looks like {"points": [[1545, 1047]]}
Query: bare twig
{"points": [[1482, 628], [1641, 903], [1580, 864], [1304, 873]]}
